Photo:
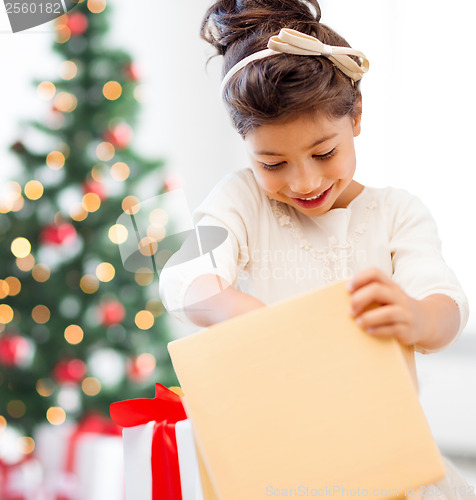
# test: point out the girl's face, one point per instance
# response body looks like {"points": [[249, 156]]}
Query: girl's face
{"points": [[307, 157]]}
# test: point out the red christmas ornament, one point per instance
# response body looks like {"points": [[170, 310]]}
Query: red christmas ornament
{"points": [[92, 186], [131, 72], [58, 234], [69, 371], [14, 350], [119, 136], [77, 23], [112, 313]]}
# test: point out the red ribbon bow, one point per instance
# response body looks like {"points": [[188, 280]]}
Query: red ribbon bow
{"points": [[165, 409]]}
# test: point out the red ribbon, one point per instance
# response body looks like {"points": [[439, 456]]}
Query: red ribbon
{"points": [[165, 409]]}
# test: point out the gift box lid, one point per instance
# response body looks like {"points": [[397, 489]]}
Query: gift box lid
{"points": [[295, 397]]}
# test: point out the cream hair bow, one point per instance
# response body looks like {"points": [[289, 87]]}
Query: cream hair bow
{"points": [[290, 41]]}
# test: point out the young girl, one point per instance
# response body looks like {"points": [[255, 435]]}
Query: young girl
{"points": [[296, 219]]}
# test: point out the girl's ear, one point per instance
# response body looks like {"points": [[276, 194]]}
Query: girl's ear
{"points": [[356, 119]]}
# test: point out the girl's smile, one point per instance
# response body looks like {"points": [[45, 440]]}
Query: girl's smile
{"points": [[308, 163]]}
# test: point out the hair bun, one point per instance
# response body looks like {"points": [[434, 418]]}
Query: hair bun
{"points": [[229, 20]]}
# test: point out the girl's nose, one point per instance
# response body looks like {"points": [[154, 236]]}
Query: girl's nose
{"points": [[305, 178]]}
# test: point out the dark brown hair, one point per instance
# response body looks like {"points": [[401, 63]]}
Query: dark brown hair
{"points": [[281, 87]]}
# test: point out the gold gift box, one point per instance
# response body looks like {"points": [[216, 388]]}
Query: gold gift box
{"points": [[294, 399]]}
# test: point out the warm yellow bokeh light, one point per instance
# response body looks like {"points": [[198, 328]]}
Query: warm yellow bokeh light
{"points": [[105, 271], [68, 70], [27, 445], [144, 320], [73, 334], [14, 285], [131, 205], [55, 160], [112, 90], [20, 247], [65, 102], [96, 6], [55, 415], [89, 283], [77, 212], [3, 423], [105, 151], [120, 171], [144, 276], [63, 34], [147, 246], [34, 190], [26, 263], [16, 408], [4, 289], [46, 90], [40, 314], [6, 313], [17, 204], [158, 217], [91, 386], [44, 387], [41, 273], [91, 202], [118, 234]]}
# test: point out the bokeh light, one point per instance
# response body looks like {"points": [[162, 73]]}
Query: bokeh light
{"points": [[120, 171], [147, 246], [20, 247], [4, 289], [16, 408], [55, 160], [40, 314], [46, 90], [144, 320], [68, 70], [14, 285], [55, 415], [25, 263], [6, 313], [44, 387], [27, 445], [34, 190], [112, 90], [91, 386], [89, 284], [131, 205], [91, 202], [118, 234], [73, 334], [65, 102], [144, 276], [96, 6], [105, 271], [105, 151], [41, 273]]}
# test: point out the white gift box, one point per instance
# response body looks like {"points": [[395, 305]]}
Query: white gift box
{"points": [[138, 461], [98, 464]]}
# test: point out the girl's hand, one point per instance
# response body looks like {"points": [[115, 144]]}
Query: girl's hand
{"points": [[383, 309]]}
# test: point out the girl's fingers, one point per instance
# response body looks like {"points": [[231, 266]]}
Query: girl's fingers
{"points": [[367, 276], [374, 294], [382, 316]]}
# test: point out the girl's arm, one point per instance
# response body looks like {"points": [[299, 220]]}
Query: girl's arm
{"points": [[223, 302]]}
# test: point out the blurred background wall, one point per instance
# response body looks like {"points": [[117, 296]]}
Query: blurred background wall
{"points": [[418, 130]]}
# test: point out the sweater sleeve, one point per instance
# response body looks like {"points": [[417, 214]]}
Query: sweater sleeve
{"points": [[227, 206], [418, 265]]}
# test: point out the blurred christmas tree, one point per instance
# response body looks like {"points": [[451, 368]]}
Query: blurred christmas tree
{"points": [[78, 331]]}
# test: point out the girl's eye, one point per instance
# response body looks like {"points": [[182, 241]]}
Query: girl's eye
{"points": [[326, 155], [274, 166]]}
